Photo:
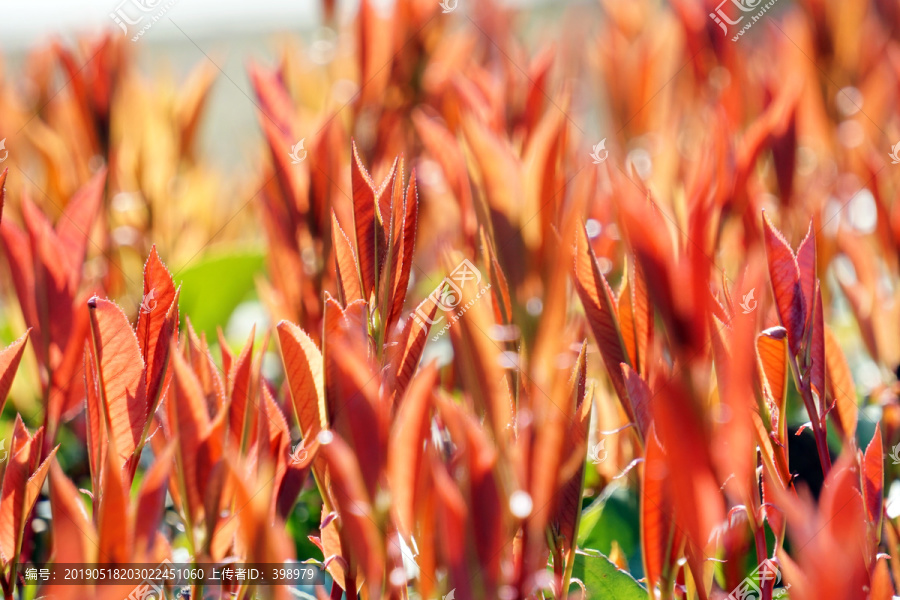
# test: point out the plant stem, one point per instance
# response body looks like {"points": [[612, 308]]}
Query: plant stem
{"points": [[812, 411]]}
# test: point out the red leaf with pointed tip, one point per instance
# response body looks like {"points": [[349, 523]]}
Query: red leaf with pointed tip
{"points": [[120, 369], [601, 310], [241, 417], [74, 537], [157, 321], [370, 236], [189, 424], [112, 524], [18, 252], [74, 226], [873, 482], [152, 502], [406, 347], [14, 508], [51, 275], [345, 262], [806, 263], [304, 371], [785, 276], [406, 246], [9, 364]]}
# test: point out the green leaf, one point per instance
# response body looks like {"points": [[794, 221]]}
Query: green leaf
{"points": [[212, 287], [604, 580], [614, 516]]}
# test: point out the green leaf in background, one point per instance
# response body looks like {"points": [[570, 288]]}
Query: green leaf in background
{"points": [[614, 516], [604, 580], [212, 287]]}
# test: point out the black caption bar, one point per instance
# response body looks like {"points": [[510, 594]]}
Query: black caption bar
{"points": [[166, 573]]}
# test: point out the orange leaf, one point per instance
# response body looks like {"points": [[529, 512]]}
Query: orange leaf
{"points": [[304, 371], [840, 383], [771, 345]]}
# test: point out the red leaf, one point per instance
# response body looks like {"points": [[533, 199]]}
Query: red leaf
{"points": [[120, 369], [806, 263], [406, 246], [74, 536], [347, 269], [370, 235], [406, 346], [9, 364], [785, 275], [357, 525], [873, 482], [189, 423], [74, 226], [112, 525], [601, 310], [657, 515], [241, 418], [406, 447], [157, 322], [151, 503]]}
